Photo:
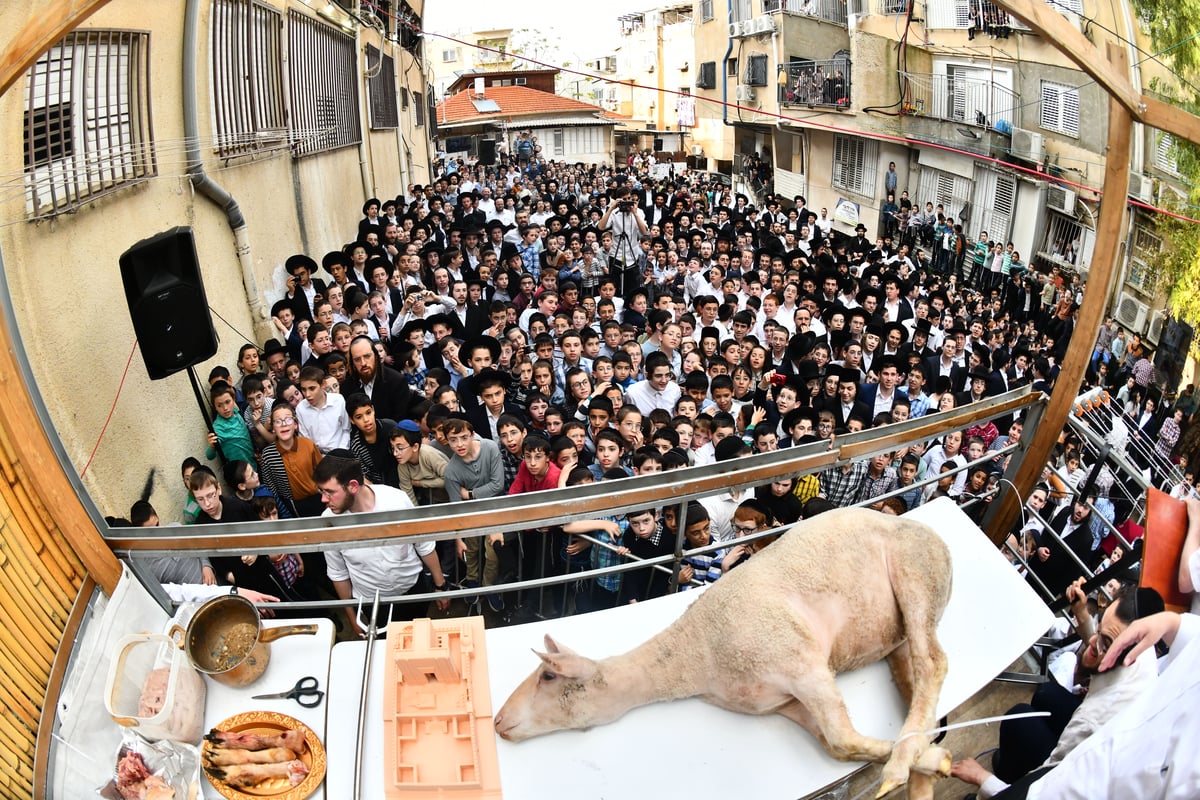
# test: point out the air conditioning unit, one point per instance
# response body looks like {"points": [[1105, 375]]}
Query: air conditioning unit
{"points": [[1158, 323], [1131, 313], [1141, 187], [745, 93], [737, 29], [1028, 145], [697, 150], [763, 24], [1060, 199]]}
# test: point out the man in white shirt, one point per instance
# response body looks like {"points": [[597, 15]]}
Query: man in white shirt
{"points": [[659, 390], [391, 570]]}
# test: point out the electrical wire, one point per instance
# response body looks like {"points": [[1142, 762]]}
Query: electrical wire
{"points": [[112, 409], [812, 123]]}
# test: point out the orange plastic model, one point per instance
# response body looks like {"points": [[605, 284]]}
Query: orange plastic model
{"points": [[439, 738]]}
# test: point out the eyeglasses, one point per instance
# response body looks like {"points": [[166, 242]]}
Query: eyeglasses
{"points": [[745, 529], [400, 448], [286, 421]]}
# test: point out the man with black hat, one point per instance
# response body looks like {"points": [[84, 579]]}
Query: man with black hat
{"points": [[859, 246], [302, 287]]}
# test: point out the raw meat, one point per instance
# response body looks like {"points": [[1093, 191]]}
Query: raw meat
{"points": [[227, 756], [293, 740], [246, 776], [154, 692], [135, 782]]}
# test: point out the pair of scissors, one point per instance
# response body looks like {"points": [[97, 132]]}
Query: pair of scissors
{"points": [[305, 687]]}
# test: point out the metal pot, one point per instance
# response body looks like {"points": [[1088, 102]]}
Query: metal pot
{"points": [[225, 640]]}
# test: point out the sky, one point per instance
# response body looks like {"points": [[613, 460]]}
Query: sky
{"points": [[582, 31]]}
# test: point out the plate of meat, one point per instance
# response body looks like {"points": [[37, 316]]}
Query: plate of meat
{"points": [[263, 754]]}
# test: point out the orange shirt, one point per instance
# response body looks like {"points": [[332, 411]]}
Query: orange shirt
{"points": [[300, 462]]}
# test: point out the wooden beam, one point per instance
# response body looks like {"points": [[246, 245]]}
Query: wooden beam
{"points": [[1109, 233], [46, 26], [1056, 29]]}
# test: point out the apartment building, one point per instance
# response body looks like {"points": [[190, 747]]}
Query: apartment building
{"points": [[261, 125], [978, 113]]}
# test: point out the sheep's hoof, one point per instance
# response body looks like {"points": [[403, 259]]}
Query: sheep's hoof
{"points": [[934, 761], [886, 787]]}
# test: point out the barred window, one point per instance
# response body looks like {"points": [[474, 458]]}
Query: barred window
{"points": [[706, 10], [855, 161], [756, 70], [381, 69], [247, 91], [87, 120], [706, 78], [323, 71]]}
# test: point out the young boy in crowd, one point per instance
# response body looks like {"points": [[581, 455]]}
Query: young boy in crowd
{"points": [[646, 539], [322, 414], [577, 553], [229, 435], [257, 415]]}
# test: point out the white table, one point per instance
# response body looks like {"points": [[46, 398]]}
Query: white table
{"points": [[292, 658], [690, 747]]}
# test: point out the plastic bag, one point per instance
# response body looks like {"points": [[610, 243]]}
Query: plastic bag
{"points": [[153, 764]]}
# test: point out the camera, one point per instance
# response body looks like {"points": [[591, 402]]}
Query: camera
{"points": [[778, 379], [625, 205]]}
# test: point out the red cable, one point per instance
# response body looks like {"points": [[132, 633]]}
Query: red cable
{"points": [[112, 410]]}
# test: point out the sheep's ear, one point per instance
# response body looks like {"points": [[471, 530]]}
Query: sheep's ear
{"points": [[568, 665], [554, 647]]}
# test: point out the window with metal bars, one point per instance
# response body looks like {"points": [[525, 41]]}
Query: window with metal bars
{"points": [[756, 70], [855, 162], [322, 68], [1060, 108], [87, 120], [247, 77], [381, 87], [706, 77], [706, 10]]}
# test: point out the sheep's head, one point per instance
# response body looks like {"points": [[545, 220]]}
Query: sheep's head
{"points": [[566, 691]]}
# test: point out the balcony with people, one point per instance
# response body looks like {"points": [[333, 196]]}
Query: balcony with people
{"points": [[816, 82]]}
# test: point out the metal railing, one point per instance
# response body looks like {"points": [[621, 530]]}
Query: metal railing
{"points": [[957, 98], [543, 509], [829, 10], [822, 82]]}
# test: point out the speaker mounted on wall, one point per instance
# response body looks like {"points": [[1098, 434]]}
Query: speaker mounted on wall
{"points": [[167, 304]]}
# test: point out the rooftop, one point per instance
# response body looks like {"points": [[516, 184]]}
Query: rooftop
{"points": [[511, 101]]}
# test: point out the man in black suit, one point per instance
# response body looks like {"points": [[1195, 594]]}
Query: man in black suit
{"points": [[302, 288], [388, 389], [946, 365], [469, 321], [848, 403]]}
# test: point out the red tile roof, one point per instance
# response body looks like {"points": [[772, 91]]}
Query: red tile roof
{"points": [[514, 101]]}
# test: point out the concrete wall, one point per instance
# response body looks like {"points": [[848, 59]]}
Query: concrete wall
{"points": [[66, 284]]}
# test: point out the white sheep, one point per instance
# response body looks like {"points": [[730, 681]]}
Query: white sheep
{"points": [[833, 594]]}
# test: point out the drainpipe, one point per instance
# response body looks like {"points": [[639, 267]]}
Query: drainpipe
{"points": [[195, 167], [725, 74], [364, 153]]}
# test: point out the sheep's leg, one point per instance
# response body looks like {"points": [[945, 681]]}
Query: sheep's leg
{"points": [[819, 708], [925, 670], [900, 660]]}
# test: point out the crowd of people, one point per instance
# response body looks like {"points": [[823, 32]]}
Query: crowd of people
{"points": [[534, 325]]}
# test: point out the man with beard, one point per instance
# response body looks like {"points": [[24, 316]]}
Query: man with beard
{"points": [[391, 570], [387, 387]]}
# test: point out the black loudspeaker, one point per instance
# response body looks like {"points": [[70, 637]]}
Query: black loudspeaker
{"points": [[658, 145], [167, 303], [487, 152]]}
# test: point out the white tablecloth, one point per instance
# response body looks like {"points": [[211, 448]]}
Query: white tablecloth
{"points": [[689, 747]]}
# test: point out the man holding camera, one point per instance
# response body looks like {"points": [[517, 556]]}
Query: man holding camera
{"points": [[628, 225]]}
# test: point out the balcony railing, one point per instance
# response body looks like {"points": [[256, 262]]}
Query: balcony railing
{"points": [[821, 82], [829, 10], [959, 98]]}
